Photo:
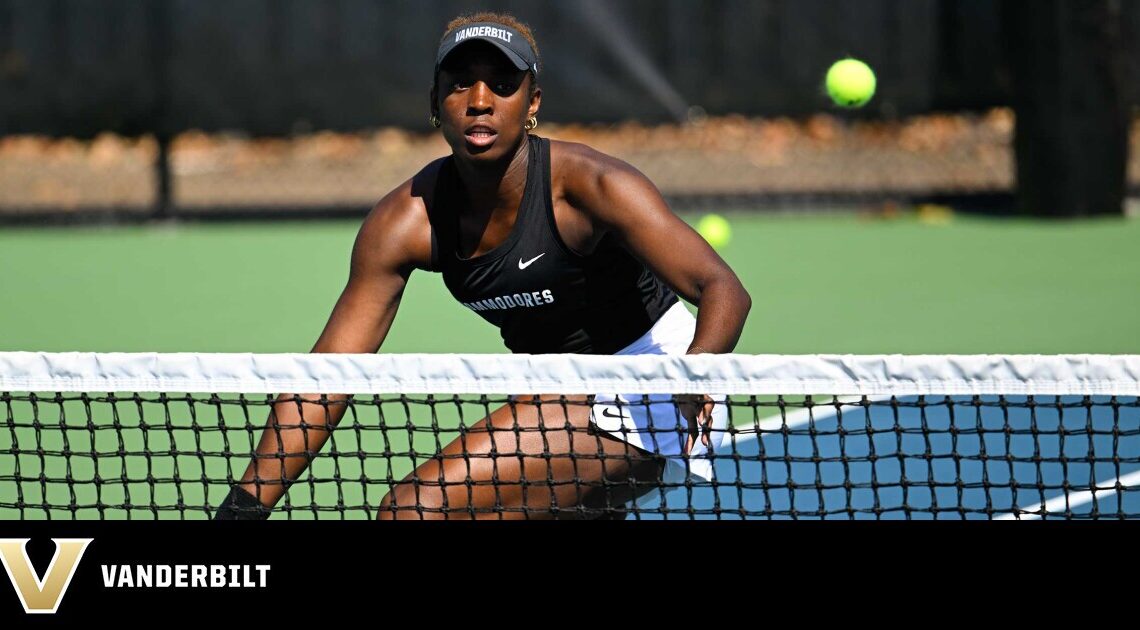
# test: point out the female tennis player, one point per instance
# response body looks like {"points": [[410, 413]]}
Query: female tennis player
{"points": [[566, 250]]}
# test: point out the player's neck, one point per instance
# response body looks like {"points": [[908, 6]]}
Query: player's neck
{"points": [[496, 183]]}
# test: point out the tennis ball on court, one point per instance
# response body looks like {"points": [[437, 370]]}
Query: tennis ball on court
{"points": [[715, 229], [850, 83]]}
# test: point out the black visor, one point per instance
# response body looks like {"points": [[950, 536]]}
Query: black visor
{"points": [[505, 38]]}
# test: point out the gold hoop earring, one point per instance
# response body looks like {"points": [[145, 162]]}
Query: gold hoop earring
{"points": [[434, 120], [531, 123]]}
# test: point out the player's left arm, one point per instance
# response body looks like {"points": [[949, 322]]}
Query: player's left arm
{"points": [[619, 199]]}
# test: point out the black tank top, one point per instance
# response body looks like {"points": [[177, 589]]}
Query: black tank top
{"points": [[543, 296]]}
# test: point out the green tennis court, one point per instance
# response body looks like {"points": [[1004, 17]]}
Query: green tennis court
{"points": [[827, 284]]}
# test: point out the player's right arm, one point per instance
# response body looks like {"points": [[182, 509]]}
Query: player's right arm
{"points": [[394, 240]]}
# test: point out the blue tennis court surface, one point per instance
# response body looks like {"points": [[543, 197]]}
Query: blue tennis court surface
{"points": [[929, 457]]}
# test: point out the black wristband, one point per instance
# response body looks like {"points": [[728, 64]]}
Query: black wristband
{"points": [[240, 505]]}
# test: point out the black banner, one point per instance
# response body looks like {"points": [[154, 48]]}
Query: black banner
{"points": [[148, 573]]}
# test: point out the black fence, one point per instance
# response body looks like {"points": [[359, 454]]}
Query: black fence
{"points": [[267, 67], [286, 74]]}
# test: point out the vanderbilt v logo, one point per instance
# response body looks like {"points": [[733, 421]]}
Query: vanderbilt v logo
{"points": [[41, 595]]}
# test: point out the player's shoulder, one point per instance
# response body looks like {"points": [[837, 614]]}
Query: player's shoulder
{"points": [[574, 165], [577, 157], [399, 221], [408, 202], [579, 171]]}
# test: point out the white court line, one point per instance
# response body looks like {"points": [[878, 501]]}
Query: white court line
{"points": [[801, 417], [1057, 504]]}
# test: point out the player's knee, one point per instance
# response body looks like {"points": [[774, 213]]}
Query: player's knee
{"points": [[412, 500]]}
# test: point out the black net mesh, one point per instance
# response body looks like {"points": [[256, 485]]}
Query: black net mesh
{"points": [[175, 456]]}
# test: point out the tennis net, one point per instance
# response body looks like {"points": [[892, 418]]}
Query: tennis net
{"points": [[155, 436]]}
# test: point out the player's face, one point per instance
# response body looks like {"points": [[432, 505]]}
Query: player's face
{"points": [[483, 102]]}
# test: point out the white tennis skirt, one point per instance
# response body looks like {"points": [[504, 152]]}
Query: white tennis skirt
{"points": [[657, 427]]}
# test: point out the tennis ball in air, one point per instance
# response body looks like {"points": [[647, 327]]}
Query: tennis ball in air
{"points": [[850, 83], [715, 229]]}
